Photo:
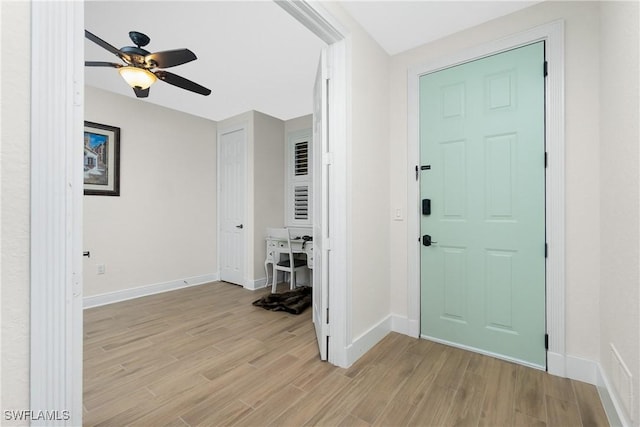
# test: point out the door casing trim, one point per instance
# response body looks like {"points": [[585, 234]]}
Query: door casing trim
{"points": [[553, 36], [328, 28], [57, 142]]}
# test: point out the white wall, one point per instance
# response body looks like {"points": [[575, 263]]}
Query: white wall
{"points": [[369, 180], [368, 209], [162, 227], [268, 183], [620, 194], [298, 123], [15, 206], [582, 156]]}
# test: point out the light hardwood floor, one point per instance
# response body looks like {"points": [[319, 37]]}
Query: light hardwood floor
{"points": [[205, 356]]}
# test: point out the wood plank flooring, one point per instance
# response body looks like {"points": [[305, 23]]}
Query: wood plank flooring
{"points": [[204, 356]]}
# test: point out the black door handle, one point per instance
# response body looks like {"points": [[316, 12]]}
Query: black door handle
{"points": [[426, 240], [87, 254], [239, 226]]}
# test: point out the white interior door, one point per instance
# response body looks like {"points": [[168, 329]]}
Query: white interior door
{"points": [[320, 204], [232, 195]]}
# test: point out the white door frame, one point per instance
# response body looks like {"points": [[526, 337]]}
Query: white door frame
{"points": [[57, 123], [324, 25], [57, 78], [553, 35], [248, 225]]}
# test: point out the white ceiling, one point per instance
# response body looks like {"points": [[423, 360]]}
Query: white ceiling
{"points": [[252, 54], [402, 25]]}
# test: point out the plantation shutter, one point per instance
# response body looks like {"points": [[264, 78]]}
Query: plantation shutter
{"points": [[301, 203], [301, 158], [298, 179]]}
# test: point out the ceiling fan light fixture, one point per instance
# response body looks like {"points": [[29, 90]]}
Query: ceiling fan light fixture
{"points": [[137, 77], [138, 62]]}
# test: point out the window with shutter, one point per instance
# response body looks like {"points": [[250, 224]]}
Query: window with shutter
{"points": [[298, 178], [301, 158], [301, 203]]}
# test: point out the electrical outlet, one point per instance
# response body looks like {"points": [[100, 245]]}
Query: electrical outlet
{"points": [[100, 268]]}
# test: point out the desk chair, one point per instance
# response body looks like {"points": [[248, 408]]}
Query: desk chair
{"points": [[283, 259]]}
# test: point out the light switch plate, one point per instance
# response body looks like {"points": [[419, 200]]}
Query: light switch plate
{"points": [[397, 214]]}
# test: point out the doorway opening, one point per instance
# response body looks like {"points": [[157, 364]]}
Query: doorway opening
{"points": [[56, 315]]}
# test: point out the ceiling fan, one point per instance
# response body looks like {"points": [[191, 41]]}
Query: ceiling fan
{"points": [[142, 68]]}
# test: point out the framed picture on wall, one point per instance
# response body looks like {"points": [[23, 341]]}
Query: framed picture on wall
{"points": [[101, 159]]}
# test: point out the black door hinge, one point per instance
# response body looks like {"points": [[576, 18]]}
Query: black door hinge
{"points": [[546, 250], [423, 168], [546, 341], [546, 68], [546, 159]]}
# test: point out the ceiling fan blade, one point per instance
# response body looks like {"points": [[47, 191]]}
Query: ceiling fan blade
{"points": [[170, 58], [181, 82], [97, 40], [141, 93], [101, 64]]}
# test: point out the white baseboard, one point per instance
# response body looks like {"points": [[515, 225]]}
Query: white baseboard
{"points": [[254, 285], [127, 294], [413, 328], [612, 405], [403, 325], [400, 324], [580, 369], [367, 340], [589, 371], [556, 364]]}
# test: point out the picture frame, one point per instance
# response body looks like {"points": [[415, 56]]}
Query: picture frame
{"points": [[101, 159]]}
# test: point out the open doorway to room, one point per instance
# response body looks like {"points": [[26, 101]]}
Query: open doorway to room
{"points": [[259, 64], [71, 388]]}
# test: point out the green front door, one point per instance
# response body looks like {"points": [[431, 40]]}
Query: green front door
{"points": [[482, 159]]}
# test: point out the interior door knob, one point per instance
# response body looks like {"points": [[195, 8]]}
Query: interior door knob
{"points": [[239, 226]]}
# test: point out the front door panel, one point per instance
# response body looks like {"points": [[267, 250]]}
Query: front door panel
{"points": [[482, 158]]}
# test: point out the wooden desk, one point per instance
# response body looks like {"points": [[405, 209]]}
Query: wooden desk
{"points": [[298, 246]]}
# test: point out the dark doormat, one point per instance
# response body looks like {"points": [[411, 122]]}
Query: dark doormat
{"points": [[294, 302]]}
